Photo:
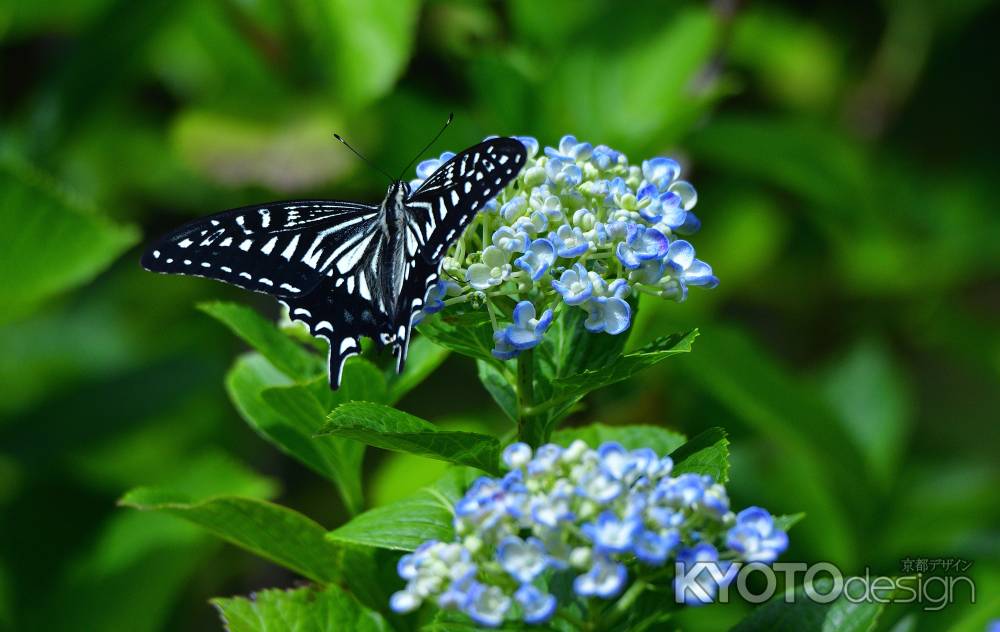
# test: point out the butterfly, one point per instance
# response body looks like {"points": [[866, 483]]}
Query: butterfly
{"points": [[346, 269]]}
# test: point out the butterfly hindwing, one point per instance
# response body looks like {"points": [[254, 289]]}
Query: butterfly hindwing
{"points": [[283, 249], [339, 316]]}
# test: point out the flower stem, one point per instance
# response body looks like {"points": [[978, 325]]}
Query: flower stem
{"points": [[526, 397]]}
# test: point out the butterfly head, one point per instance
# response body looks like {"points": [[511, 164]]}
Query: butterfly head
{"points": [[398, 191]]}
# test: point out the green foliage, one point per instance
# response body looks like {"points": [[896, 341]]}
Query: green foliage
{"points": [[281, 351], [391, 429], [707, 453], [840, 615], [292, 426], [406, 524], [302, 609], [661, 440], [266, 529], [54, 241], [850, 351]]}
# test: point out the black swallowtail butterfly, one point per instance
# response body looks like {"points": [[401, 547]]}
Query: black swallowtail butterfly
{"points": [[346, 269]]}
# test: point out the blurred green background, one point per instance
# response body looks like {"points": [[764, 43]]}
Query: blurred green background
{"points": [[845, 160]]}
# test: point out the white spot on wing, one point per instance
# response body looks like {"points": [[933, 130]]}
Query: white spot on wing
{"points": [[269, 246]]}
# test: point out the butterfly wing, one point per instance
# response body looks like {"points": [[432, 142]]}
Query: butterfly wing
{"points": [[311, 255], [283, 248], [440, 210]]}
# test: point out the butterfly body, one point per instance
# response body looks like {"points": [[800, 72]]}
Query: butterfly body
{"points": [[346, 269]]}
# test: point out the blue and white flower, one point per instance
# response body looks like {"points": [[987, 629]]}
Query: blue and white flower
{"points": [[574, 285], [578, 205], [600, 515], [755, 537]]}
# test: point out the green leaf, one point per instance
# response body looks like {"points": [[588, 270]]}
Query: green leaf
{"points": [[625, 366], [873, 404], [568, 349], [840, 615], [746, 380], [661, 440], [271, 531], [707, 453], [390, 429], [328, 609], [340, 32], [406, 524], [53, 241], [622, 106], [468, 333], [498, 387], [97, 590], [557, 399], [291, 414], [302, 610], [788, 521], [422, 359], [282, 352]]}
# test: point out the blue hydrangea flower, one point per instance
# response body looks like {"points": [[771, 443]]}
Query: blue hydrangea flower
{"points": [[522, 559], [574, 285], [580, 205], [755, 536], [537, 259], [596, 514], [607, 309], [569, 241], [487, 605], [538, 607], [526, 330], [492, 271], [606, 578], [611, 534], [641, 244], [712, 576]]}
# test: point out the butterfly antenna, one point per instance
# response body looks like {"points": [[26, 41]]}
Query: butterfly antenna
{"points": [[429, 145], [365, 160]]}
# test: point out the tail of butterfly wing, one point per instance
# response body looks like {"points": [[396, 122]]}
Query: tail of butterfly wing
{"points": [[330, 314]]}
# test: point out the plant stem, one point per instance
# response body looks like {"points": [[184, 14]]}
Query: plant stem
{"points": [[525, 395]]}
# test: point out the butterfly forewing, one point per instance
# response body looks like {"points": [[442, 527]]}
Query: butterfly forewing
{"points": [[439, 211], [283, 249], [450, 198]]}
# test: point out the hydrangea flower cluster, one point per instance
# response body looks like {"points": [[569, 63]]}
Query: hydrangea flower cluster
{"points": [[579, 228], [595, 514]]}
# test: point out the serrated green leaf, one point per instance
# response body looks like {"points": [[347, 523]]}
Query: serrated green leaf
{"points": [[468, 333], [52, 241], [406, 524], [661, 440], [840, 615], [707, 453], [390, 429], [567, 390], [568, 349], [422, 359], [282, 352], [498, 387], [271, 531], [624, 367], [302, 610], [292, 413]]}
